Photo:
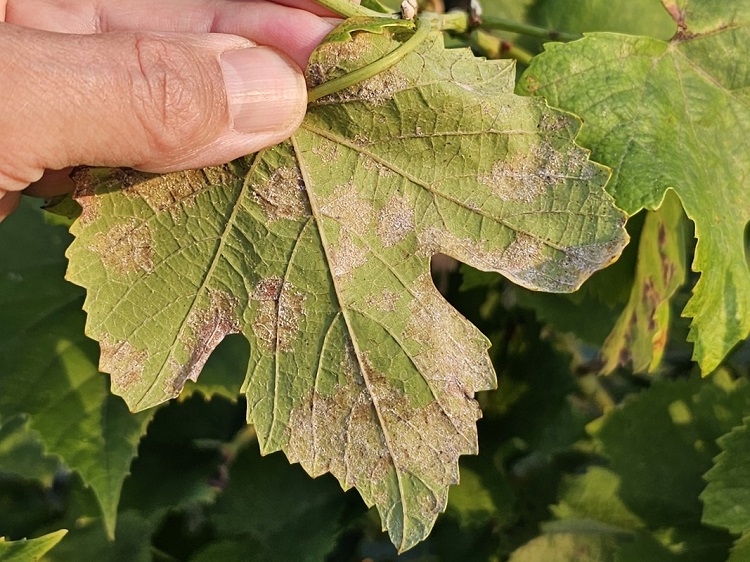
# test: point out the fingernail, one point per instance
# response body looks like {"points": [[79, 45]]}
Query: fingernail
{"points": [[266, 92]]}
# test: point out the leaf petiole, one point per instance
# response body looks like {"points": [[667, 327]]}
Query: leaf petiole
{"points": [[424, 27], [502, 24]]}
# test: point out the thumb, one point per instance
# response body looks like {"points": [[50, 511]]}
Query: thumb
{"points": [[156, 102]]}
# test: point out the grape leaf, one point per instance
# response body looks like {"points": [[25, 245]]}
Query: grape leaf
{"points": [[267, 502], [658, 445], [317, 251], [49, 366], [29, 550], [673, 114], [640, 334], [726, 499], [741, 550], [21, 453], [637, 17], [572, 541]]}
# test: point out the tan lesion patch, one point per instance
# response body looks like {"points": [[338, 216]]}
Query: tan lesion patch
{"points": [[454, 352], [395, 220], [126, 247], [283, 195], [327, 151], [525, 253], [523, 260], [371, 165], [280, 309], [207, 328], [349, 209], [528, 174], [346, 255], [176, 190], [123, 362], [385, 301], [369, 429], [376, 90]]}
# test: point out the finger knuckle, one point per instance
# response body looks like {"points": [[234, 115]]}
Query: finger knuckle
{"points": [[172, 94]]}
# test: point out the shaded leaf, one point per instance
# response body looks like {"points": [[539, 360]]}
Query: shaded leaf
{"points": [[594, 495], [29, 550], [741, 550], [49, 366], [180, 462], [673, 115], [662, 441], [726, 499], [318, 251], [657, 447], [21, 453], [271, 511], [640, 334], [572, 541]]}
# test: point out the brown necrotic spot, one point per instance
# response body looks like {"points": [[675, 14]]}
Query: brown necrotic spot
{"points": [[283, 195], [86, 180], [207, 327], [124, 362], [126, 247], [280, 309], [395, 220]]}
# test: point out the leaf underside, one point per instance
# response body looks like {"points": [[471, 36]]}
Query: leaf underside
{"points": [[673, 114], [317, 250]]}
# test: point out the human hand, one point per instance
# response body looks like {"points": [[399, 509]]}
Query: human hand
{"points": [[158, 85]]}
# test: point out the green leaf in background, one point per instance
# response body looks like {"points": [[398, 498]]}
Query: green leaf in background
{"points": [[741, 550], [657, 447], [87, 538], [726, 499], [318, 252], [673, 115], [29, 550], [572, 541], [636, 17], [49, 366], [181, 465], [640, 334], [272, 512], [21, 452]]}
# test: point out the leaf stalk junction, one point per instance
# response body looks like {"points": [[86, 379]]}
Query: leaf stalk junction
{"points": [[455, 21]]}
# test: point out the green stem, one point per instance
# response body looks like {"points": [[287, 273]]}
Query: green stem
{"points": [[494, 48], [242, 439], [516, 52], [349, 9], [502, 24], [424, 27]]}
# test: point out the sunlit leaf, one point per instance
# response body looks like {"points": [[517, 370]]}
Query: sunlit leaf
{"points": [[318, 252], [29, 550], [673, 114]]}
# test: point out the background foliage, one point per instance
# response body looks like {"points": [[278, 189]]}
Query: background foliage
{"points": [[647, 463]]}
